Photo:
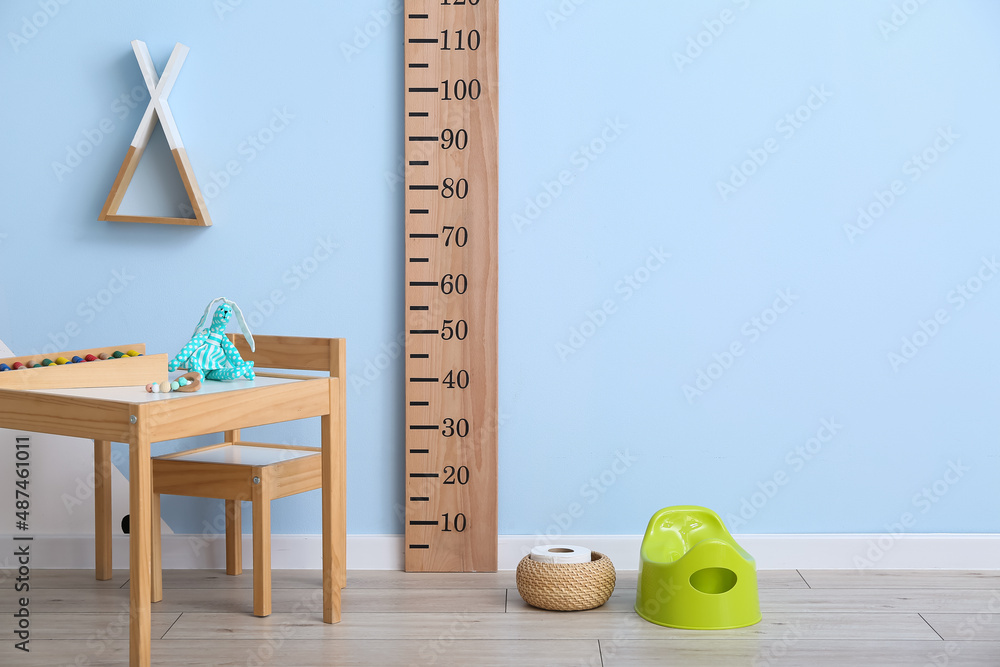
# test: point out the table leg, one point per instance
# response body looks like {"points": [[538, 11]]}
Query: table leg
{"points": [[334, 508], [261, 509], [234, 522], [102, 508], [140, 561]]}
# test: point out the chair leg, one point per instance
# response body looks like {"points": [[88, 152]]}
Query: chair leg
{"points": [[156, 550], [102, 508], [234, 522], [261, 502], [234, 537]]}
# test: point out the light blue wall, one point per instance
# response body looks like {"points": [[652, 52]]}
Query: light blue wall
{"points": [[596, 419]]}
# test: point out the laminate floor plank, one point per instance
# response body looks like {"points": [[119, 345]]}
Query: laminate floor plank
{"points": [[796, 652], [334, 653], [283, 600], [540, 625], [989, 579], [778, 579], [978, 626], [95, 627], [826, 600], [219, 579], [355, 579], [66, 579], [877, 600], [400, 580]]}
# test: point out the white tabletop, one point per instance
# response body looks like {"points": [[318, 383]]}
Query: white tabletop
{"points": [[138, 394]]}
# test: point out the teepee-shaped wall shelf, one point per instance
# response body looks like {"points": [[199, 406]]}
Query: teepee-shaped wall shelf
{"points": [[158, 109]]}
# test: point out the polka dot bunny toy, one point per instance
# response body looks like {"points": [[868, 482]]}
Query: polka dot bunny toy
{"points": [[210, 353]]}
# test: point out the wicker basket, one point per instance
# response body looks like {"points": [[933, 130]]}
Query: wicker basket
{"points": [[566, 586]]}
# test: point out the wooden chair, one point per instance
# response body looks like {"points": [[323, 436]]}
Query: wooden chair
{"points": [[236, 470]]}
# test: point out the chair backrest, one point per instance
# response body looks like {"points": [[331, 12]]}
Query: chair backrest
{"points": [[327, 355], [295, 353]]}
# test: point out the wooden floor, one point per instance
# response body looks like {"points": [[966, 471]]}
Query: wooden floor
{"points": [[811, 618]]}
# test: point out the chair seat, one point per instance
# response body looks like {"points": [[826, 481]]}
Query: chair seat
{"points": [[235, 471]]}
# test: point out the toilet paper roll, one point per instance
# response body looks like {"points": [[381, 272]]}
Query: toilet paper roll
{"points": [[560, 553]]}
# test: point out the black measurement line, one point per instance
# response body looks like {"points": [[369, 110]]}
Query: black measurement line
{"points": [[424, 187], [419, 163], [423, 40], [419, 404], [419, 260], [420, 451], [424, 474], [419, 114], [418, 16], [419, 211], [425, 523], [420, 137], [425, 379], [420, 307], [420, 546], [423, 236], [418, 65], [429, 89], [423, 283], [424, 427], [424, 331], [420, 499]]}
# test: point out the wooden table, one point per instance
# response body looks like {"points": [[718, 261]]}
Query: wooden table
{"points": [[130, 415]]}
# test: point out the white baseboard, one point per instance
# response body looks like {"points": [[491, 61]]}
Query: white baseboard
{"points": [[964, 551], [927, 551]]}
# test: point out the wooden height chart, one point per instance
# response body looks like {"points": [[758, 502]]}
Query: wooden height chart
{"points": [[451, 135]]}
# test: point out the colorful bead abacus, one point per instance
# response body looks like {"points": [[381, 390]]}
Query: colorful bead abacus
{"points": [[74, 369], [62, 361]]}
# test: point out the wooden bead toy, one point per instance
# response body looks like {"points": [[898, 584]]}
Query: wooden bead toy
{"points": [[62, 361], [77, 360], [4, 367], [132, 353], [18, 365], [47, 362], [118, 354], [103, 356], [90, 357], [186, 383]]}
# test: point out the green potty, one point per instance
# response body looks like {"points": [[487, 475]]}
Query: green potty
{"points": [[693, 574]]}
